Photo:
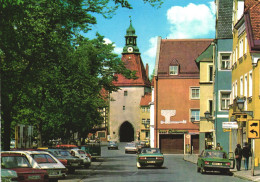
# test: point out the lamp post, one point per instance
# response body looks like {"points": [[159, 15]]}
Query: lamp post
{"points": [[208, 116], [192, 119], [240, 105]]}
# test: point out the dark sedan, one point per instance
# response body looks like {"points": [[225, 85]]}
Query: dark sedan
{"points": [[69, 161]]}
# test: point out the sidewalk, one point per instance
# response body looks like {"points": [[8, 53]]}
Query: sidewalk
{"points": [[247, 175]]}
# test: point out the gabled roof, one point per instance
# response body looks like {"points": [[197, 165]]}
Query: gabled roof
{"points": [[145, 100], [133, 62], [252, 20], [206, 55], [185, 51]]}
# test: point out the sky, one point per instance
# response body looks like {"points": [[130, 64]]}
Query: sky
{"points": [[176, 19]]}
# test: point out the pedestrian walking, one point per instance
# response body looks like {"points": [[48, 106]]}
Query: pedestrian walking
{"points": [[218, 147], [238, 156], [246, 152]]}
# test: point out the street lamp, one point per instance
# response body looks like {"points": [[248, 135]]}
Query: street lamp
{"points": [[240, 105], [192, 119], [208, 116]]}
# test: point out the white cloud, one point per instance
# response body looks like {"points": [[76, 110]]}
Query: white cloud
{"points": [[117, 50], [192, 21], [151, 52]]}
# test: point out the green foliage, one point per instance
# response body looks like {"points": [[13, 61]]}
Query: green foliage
{"points": [[51, 76]]}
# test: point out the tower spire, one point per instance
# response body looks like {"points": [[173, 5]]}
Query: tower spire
{"points": [[130, 40]]}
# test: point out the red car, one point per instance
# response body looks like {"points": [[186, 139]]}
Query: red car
{"points": [[24, 170]]}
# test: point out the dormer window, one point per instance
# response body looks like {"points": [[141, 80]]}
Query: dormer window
{"points": [[173, 70]]}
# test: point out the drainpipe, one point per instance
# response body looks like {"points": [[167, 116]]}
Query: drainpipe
{"points": [[157, 110], [214, 93]]}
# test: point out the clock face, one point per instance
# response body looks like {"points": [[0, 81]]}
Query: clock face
{"points": [[130, 49]]}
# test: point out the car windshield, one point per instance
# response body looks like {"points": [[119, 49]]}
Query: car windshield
{"points": [[43, 158], [151, 151], [81, 152], [14, 162], [64, 153], [130, 145], [112, 142], [216, 154]]}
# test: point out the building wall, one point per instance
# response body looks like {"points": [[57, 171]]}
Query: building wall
{"points": [[144, 114], [222, 83], [242, 67], [152, 119], [131, 113], [174, 94]]}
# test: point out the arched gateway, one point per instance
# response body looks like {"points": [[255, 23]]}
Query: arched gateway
{"points": [[126, 132]]}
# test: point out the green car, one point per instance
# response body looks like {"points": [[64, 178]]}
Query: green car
{"points": [[214, 160], [150, 157]]}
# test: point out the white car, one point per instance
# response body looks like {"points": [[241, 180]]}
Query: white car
{"points": [[131, 147], [44, 160], [82, 155]]}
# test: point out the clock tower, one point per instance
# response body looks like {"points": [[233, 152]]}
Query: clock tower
{"points": [[130, 41], [124, 105]]}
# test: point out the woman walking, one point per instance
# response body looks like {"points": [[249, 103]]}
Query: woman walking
{"points": [[238, 156]]}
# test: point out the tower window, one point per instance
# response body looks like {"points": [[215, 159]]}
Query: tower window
{"points": [[125, 93]]}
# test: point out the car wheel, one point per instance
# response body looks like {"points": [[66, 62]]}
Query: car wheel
{"points": [[198, 169], [87, 166], [202, 170], [71, 170]]}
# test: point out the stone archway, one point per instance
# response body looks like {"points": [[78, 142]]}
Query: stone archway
{"points": [[126, 132]]}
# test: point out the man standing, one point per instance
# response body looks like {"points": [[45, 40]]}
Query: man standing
{"points": [[238, 155], [246, 152]]}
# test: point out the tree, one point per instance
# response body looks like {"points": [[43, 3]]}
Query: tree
{"points": [[38, 54]]}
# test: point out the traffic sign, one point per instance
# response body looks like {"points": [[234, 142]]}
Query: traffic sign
{"points": [[253, 129], [232, 125]]}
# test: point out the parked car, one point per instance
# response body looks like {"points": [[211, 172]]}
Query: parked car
{"points": [[112, 145], [94, 149], [82, 155], [150, 156], [69, 161], [44, 160], [22, 167], [8, 175], [131, 148], [214, 160]]}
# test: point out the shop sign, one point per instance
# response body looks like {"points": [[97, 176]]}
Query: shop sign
{"points": [[167, 115], [172, 131], [231, 125]]}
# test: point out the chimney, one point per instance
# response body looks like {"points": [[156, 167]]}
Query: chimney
{"points": [[147, 70]]}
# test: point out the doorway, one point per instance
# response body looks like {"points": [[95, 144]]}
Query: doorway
{"points": [[126, 132]]}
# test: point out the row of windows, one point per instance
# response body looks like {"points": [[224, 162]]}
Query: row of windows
{"points": [[245, 86]]}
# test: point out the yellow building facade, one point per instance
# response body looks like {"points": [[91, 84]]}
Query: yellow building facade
{"points": [[144, 134], [245, 74], [205, 61]]}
